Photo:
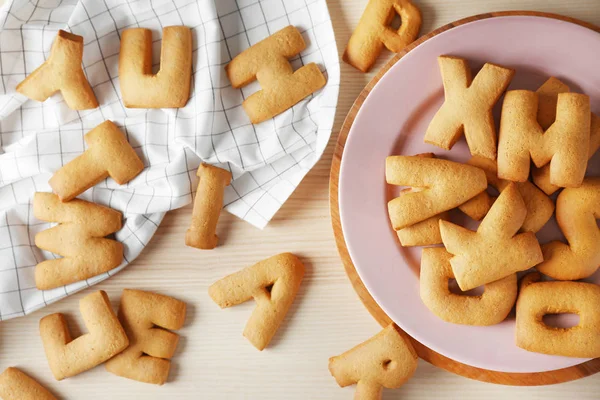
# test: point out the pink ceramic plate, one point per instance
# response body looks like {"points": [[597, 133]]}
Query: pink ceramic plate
{"points": [[393, 120]]}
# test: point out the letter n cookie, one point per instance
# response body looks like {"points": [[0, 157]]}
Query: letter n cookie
{"points": [[106, 338], [79, 238], [146, 317], [467, 107], [61, 72], [373, 31], [385, 360], [273, 283], [170, 86], [267, 62], [16, 385]]}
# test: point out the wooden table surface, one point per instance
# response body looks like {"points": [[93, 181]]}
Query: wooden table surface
{"points": [[213, 360]]}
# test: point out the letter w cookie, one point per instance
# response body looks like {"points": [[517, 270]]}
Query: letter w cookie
{"points": [[273, 283], [79, 239]]}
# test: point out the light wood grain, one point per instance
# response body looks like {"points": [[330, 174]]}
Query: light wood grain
{"points": [[214, 361]]}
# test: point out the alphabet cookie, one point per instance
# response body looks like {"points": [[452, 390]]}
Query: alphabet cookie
{"points": [[146, 317], [495, 250], [548, 98], [385, 360], [61, 72], [79, 238], [273, 283], [373, 31], [443, 185], [467, 107], [565, 145], [267, 62], [16, 385], [106, 338], [576, 213], [170, 86], [490, 308], [539, 206], [537, 299], [108, 154], [207, 207]]}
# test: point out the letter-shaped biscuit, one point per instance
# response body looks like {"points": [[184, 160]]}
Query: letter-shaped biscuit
{"points": [[385, 360], [467, 107], [79, 239], [144, 315], [445, 185], [548, 98], [576, 212], [373, 31], [61, 72], [16, 385], [267, 62], [106, 338], [273, 283], [108, 154], [565, 145], [490, 308], [496, 250], [170, 86], [539, 206], [537, 299], [207, 207]]}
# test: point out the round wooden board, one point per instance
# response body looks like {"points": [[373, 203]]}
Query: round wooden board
{"points": [[521, 379]]}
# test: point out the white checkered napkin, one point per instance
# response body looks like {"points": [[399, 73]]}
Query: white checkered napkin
{"points": [[267, 160]]}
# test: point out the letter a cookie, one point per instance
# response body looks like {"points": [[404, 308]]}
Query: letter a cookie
{"points": [[79, 239], [16, 385], [273, 283], [144, 315], [373, 31], [444, 185], [267, 62], [386, 360], [61, 72], [108, 154], [170, 86], [576, 213], [467, 107], [496, 250], [106, 338]]}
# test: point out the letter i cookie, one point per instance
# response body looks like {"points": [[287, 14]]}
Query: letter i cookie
{"points": [[273, 283], [16, 385], [386, 360]]}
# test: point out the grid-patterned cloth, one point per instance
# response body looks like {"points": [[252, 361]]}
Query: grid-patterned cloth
{"points": [[267, 160]]}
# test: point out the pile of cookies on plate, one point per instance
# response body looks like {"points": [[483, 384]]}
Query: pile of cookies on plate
{"points": [[542, 147]]}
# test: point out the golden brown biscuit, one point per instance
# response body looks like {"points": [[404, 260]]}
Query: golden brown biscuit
{"points": [[273, 283], [79, 238], [489, 308], [385, 360], [61, 72], [267, 62], [170, 86], [16, 385], [548, 98], [565, 145], [444, 185], [539, 206], [207, 207], [576, 213], [108, 154], [146, 317], [373, 31], [495, 250], [537, 299], [467, 107], [106, 338]]}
